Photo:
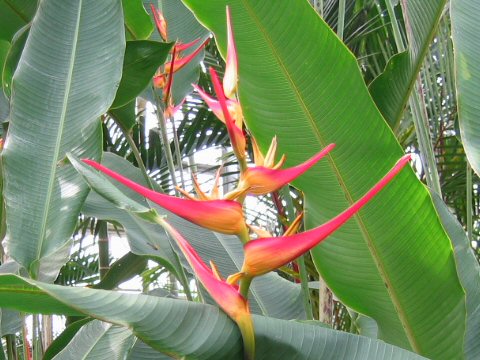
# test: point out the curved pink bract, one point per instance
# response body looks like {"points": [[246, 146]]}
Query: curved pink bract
{"points": [[225, 216], [266, 254], [262, 180]]}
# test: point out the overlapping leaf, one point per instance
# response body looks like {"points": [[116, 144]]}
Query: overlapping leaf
{"points": [[466, 42], [193, 330], [392, 88], [64, 81], [394, 262]]}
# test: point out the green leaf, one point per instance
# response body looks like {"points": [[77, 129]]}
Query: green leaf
{"points": [[172, 326], [13, 57], [4, 105], [15, 14], [137, 21], [394, 261], [122, 270], [11, 322], [392, 88], [58, 96], [142, 59], [4, 48], [141, 351], [469, 273], [96, 339], [64, 338], [125, 116], [466, 37]]}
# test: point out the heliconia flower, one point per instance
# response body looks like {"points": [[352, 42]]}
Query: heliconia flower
{"points": [[261, 180], [224, 294], [160, 22], [160, 80], [182, 47], [182, 61], [235, 133], [233, 107], [266, 254], [230, 78], [171, 110], [224, 216]]}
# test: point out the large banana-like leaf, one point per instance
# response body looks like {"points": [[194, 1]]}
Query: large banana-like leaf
{"points": [[194, 330], [469, 273], [141, 351], [271, 295], [142, 59], [466, 42], [95, 340], [137, 21], [15, 14], [66, 78], [63, 339], [393, 262], [392, 88]]}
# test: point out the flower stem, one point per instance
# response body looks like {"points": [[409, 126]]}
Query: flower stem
{"points": [[163, 131], [245, 286]]}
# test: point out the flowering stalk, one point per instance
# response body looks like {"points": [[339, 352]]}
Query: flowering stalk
{"points": [[225, 294], [160, 80]]}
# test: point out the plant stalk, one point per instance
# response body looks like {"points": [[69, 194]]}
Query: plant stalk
{"points": [[163, 133], [245, 286], [341, 18], [103, 250], [11, 348], [138, 157], [178, 154], [420, 117], [469, 216]]}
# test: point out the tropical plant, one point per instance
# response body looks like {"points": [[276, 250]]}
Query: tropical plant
{"points": [[129, 89]]}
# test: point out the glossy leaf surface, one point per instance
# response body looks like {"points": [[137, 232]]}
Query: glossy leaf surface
{"points": [[170, 325], [309, 92], [58, 96]]}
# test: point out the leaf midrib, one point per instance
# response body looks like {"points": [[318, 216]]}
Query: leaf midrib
{"points": [[380, 267], [53, 168]]}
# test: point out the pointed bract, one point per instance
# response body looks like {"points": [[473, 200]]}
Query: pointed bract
{"points": [[181, 62], [182, 47], [224, 294], [260, 180], [235, 133], [230, 78], [224, 216], [232, 105], [266, 254], [160, 22], [159, 81]]}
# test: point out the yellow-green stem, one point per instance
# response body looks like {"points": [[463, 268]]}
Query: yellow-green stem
{"points": [[245, 286]]}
